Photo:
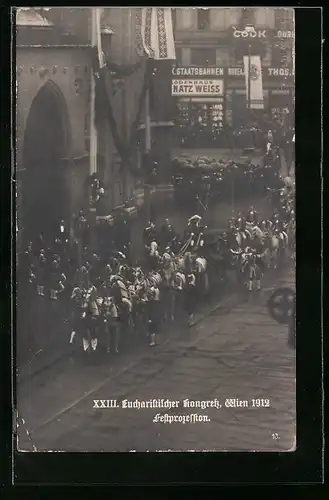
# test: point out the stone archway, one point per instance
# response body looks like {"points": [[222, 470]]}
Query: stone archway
{"points": [[46, 146]]}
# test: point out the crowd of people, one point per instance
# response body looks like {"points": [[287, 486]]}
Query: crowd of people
{"points": [[253, 134], [108, 299]]}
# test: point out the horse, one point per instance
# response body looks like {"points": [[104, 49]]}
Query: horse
{"points": [[78, 314], [242, 237], [120, 294], [197, 266], [139, 299], [279, 244], [152, 255], [218, 259], [171, 268], [201, 274], [154, 310], [110, 316], [91, 315]]}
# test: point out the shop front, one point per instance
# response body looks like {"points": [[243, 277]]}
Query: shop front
{"points": [[200, 96], [278, 93], [212, 119]]}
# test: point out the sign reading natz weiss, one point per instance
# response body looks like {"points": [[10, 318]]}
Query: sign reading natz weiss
{"points": [[195, 87], [234, 72]]}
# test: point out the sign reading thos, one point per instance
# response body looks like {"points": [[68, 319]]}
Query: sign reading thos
{"points": [[197, 87], [280, 72], [267, 72]]}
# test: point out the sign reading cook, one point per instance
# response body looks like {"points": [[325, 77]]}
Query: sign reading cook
{"points": [[251, 32], [197, 87]]}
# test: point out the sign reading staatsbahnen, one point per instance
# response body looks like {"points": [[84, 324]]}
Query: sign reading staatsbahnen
{"points": [[237, 71]]}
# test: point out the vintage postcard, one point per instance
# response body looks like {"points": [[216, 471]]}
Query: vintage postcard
{"points": [[155, 176]]}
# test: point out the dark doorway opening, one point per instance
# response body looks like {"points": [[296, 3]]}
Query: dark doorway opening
{"points": [[46, 142]]}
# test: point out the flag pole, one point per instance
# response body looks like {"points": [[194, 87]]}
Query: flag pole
{"points": [[92, 134], [147, 147], [147, 121]]}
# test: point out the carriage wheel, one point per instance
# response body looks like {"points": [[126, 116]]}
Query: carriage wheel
{"points": [[281, 305]]}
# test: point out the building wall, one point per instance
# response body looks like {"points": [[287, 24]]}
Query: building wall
{"points": [[217, 35], [69, 70], [124, 96], [219, 43]]}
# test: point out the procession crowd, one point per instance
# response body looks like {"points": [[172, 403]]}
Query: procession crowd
{"points": [[107, 298]]}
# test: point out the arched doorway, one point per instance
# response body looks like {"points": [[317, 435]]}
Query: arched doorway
{"points": [[46, 144]]}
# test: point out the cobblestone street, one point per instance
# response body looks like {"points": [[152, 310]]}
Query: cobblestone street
{"points": [[236, 351]]}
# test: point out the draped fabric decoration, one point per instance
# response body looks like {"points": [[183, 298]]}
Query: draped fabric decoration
{"points": [[255, 80], [158, 43], [157, 33], [138, 34], [103, 101], [124, 70], [104, 110], [154, 39]]}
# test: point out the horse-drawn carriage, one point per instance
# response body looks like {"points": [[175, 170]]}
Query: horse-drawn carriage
{"points": [[282, 307]]}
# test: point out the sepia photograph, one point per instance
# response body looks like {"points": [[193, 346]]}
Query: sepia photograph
{"points": [[155, 229]]}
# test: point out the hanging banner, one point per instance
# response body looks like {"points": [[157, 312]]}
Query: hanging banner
{"points": [[255, 80], [197, 87], [156, 32]]}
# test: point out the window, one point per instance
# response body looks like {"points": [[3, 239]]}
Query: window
{"points": [[281, 55], [200, 124], [222, 56], [284, 19], [232, 59], [179, 57], [203, 57], [247, 17], [267, 59], [203, 19]]}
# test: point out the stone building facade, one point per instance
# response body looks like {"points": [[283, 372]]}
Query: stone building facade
{"points": [[215, 38], [53, 110]]}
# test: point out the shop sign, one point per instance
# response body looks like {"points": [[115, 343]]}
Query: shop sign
{"points": [[197, 71], [197, 87], [261, 34], [285, 34], [267, 72], [280, 71], [249, 33]]}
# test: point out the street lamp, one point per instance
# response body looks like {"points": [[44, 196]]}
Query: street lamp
{"points": [[249, 29]]}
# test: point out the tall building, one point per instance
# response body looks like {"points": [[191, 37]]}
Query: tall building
{"points": [[212, 42], [54, 64]]}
